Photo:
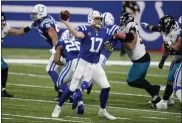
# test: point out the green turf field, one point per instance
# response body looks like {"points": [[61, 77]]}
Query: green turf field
{"points": [[34, 93]]}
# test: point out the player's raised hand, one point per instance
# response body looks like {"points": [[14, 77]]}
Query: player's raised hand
{"points": [[146, 25], [64, 16]]}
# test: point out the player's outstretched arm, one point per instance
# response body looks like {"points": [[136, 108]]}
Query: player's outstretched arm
{"points": [[21, 31], [150, 27], [132, 43], [53, 35], [57, 56], [74, 32]]}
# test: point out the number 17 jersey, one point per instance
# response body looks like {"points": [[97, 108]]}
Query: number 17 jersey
{"points": [[92, 44]]}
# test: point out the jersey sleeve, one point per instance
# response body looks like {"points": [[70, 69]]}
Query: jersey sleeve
{"points": [[47, 23], [82, 28], [114, 29]]}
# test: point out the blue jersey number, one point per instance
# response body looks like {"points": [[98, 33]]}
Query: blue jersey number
{"points": [[95, 44], [72, 45]]}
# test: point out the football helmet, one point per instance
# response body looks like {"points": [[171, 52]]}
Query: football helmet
{"points": [[125, 19], [92, 16], [66, 35], [107, 19], [3, 20], [166, 23], [39, 11]]}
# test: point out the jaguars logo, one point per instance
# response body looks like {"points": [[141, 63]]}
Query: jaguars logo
{"points": [[89, 33]]}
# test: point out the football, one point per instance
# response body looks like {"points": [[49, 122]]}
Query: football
{"points": [[65, 15]]}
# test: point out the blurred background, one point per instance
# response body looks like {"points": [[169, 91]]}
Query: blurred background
{"points": [[18, 15]]}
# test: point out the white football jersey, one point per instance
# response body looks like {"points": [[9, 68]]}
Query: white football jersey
{"points": [[139, 49], [173, 34], [5, 31]]}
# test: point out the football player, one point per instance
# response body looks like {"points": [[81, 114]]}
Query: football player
{"points": [[107, 22], [168, 26], [6, 29], [164, 30], [140, 58], [68, 47], [48, 29], [92, 36]]}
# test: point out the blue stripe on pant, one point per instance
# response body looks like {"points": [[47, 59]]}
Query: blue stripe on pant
{"points": [[3, 64], [64, 73], [177, 74], [172, 71], [138, 71]]}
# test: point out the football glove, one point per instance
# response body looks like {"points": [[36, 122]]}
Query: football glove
{"points": [[108, 46]]}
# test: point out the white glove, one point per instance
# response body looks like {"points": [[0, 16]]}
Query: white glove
{"points": [[145, 24], [53, 51]]}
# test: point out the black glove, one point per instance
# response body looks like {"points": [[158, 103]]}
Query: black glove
{"points": [[108, 46]]}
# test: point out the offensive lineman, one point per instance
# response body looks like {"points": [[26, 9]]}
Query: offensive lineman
{"points": [[48, 29]]}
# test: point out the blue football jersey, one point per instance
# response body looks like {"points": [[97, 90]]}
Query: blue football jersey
{"points": [[44, 25], [70, 48], [113, 29], [92, 44]]}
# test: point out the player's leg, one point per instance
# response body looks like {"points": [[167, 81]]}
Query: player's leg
{"points": [[79, 71], [136, 78], [100, 78], [177, 85], [64, 77], [51, 69], [169, 88], [4, 77]]}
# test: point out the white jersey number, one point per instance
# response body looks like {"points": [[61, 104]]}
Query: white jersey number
{"points": [[95, 44], [72, 45]]}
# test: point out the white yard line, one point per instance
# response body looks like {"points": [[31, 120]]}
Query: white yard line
{"points": [[154, 118], [7, 118], [44, 118], [115, 93], [79, 117], [116, 108], [109, 62]]}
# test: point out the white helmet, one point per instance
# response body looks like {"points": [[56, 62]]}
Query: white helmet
{"points": [[94, 14], [108, 19], [66, 35], [39, 11]]}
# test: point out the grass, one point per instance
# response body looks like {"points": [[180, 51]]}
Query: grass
{"points": [[33, 101]]}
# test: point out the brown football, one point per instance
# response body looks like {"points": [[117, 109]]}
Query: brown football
{"points": [[65, 15]]}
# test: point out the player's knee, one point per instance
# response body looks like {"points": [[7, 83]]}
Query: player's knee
{"points": [[170, 78], [135, 83], [4, 65]]}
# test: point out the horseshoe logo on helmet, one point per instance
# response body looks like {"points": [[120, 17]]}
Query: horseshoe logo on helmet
{"points": [[145, 35]]}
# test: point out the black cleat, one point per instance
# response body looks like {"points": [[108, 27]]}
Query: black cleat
{"points": [[6, 94], [58, 96], [89, 89]]}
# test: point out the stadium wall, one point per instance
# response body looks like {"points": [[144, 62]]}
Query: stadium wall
{"points": [[18, 15]]}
